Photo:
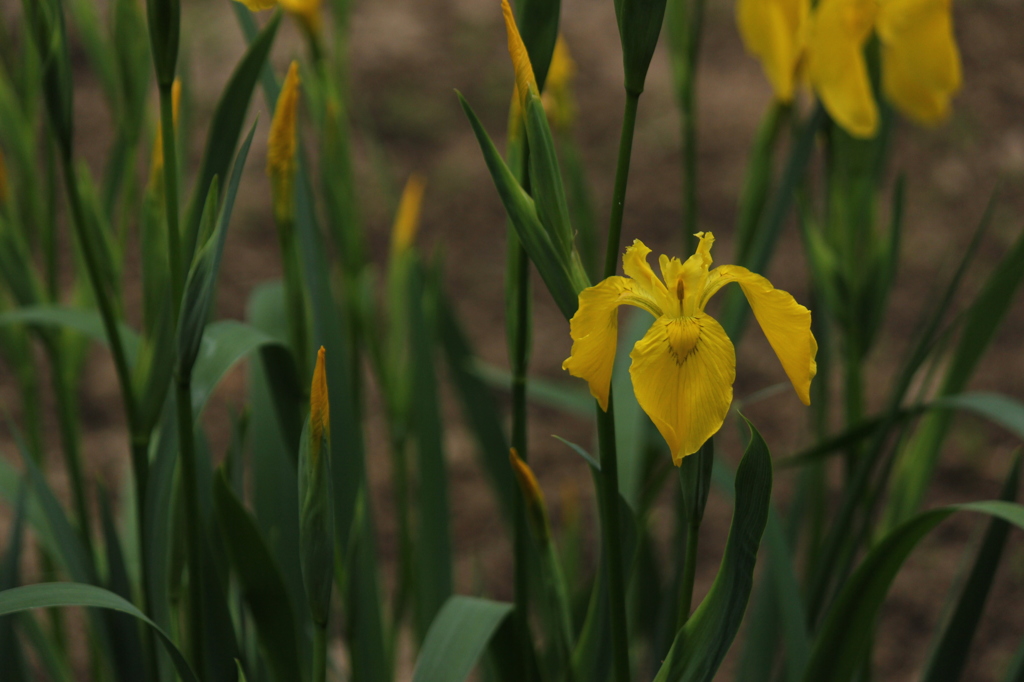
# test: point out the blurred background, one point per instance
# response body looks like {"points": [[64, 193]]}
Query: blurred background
{"points": [[407, 57]]}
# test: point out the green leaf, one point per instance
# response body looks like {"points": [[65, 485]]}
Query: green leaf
{"points": [[434, 545], [10, 650], [847, 632], [457, 638], [262, 584], [200, 287], [571, 397], [50, 595], [124, 633], [479, 409], [546, 179], [86, 322], [703, 641], [949, 653], [538, 25], [226, 128], [523, 213], [224, 343]]}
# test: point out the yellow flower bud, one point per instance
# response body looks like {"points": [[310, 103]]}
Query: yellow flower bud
{"points": [[525, 80], [281, 145], [319, 404], [557, 96], [407, 219], [533, 496], [156, 169]]}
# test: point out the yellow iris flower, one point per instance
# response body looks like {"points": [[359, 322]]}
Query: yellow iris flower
{"points": [[306, 11], [684, 367], [920, 62]]}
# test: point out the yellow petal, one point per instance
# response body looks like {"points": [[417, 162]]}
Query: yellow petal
{"points": [[407, 218], [307, 11], [281, 143], [836, 64], [645, 282], [594, 331], [258, 5], [773, 31], [920, 59], [786, 323], [520, 59], [683, 370], [686, 279]]}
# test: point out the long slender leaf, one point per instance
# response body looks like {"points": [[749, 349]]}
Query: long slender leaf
{"points": [[458, 637], [263, 586], [949, 653], [51, 595], [703, 641], [846, 634]]}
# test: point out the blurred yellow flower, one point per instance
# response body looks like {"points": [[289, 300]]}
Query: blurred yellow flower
{"points": [[557, 95], [306, 11], [156, 166], [281, 144], [684, 367], [407, 218], [775, 31], [920, 62]]}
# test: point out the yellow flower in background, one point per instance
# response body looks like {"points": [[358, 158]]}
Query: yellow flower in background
{"points": [[775, 31], [306, 11], [557, 95], [281, 144], [920, 61], [684, 367], [407, 218]]}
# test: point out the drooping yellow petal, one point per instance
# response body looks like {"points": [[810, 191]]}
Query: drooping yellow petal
{"points": [[258, 5], [786, 323], [281, 144], [520, 58], [774, 31], [319, 402], [836, 64], [683, 370], [920, 59], [407, 218], [594, 331]]}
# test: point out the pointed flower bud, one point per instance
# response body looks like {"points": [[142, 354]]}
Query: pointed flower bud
{"points": [[164, 18], [639, 29], [557, 96], [536, 510], [316, 506], [281, 145], [525, 80], [156, 168], [407, 219]]}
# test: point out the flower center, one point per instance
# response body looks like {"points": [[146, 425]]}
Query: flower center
{"points": [[683, 334]]}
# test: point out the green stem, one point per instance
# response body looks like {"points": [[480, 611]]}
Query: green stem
{"points": [[171, 196], [295, 298], [689, 572], [610, 524], [319, 653], [67, 418], [689, 107], [520, 348], [189, 488], [611, 255]]}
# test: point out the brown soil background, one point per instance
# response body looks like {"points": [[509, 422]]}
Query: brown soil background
{"points": [[406, 58]]}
